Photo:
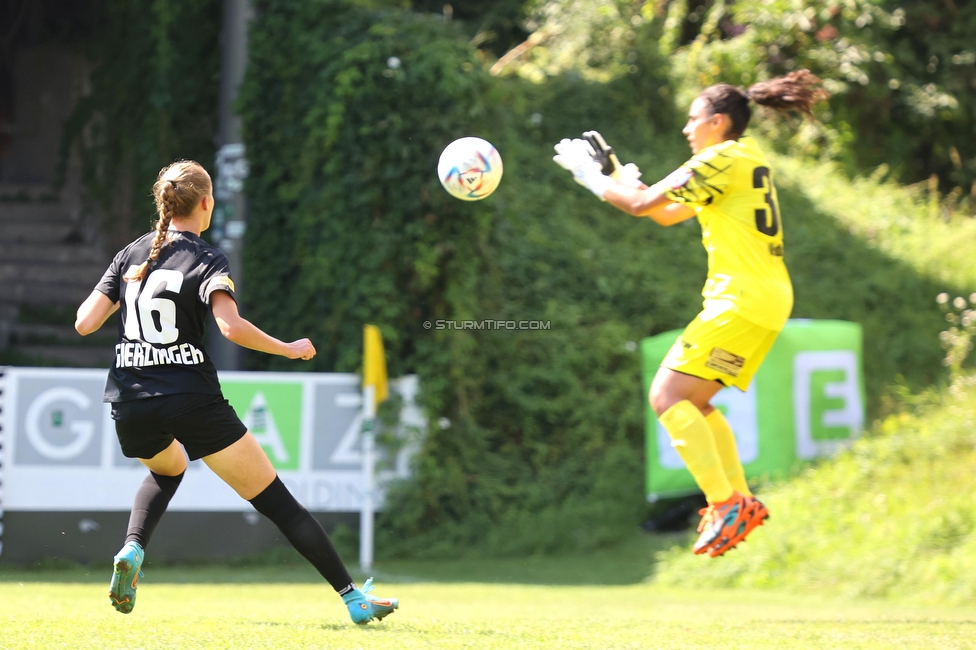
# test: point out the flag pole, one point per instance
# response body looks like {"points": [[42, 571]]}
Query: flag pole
{"points": [[368, 455]]}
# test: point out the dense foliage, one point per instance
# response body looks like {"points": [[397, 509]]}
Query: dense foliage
{"points": [[903, 75], [347, 212], [535, 435], [153, 100]]}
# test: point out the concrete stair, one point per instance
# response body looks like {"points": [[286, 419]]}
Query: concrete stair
{"points": [[50, 260]]}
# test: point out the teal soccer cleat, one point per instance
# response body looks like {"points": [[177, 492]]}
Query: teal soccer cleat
{"points": [[125, 577], [364, 608]]}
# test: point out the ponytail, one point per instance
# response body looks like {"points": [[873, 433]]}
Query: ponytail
{"points": [[178, 189], [797, 92]]}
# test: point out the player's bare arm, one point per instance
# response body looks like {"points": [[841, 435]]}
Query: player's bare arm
{"points": [[589, 159], [647, 202], [244, 333], [93, 313]]}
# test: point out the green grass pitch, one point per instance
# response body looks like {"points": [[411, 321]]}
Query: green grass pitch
{"points": [[598, 601]]}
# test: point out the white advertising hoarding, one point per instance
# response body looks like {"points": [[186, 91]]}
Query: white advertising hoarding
{"points": [[60, 452]]}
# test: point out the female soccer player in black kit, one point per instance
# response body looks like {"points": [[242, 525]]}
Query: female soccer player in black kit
{"points": [[164, 391]]}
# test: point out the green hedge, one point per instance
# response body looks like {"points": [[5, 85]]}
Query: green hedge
{"points": [[903, 75], [536, 436]]}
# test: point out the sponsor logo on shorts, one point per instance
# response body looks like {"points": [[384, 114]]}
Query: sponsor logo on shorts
{"points": [[725, 362]]}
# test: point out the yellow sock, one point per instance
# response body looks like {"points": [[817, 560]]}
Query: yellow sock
{"points": [[692, 438], [727, 451]]}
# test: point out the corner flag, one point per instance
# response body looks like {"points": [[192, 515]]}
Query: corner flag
{"points": [[375, 390], [374, 363]]}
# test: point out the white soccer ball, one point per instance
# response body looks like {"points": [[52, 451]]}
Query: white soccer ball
{"points": [[470, 168]]}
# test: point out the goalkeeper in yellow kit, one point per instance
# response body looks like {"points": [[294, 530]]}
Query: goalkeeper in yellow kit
{"points": [[728, 185]]}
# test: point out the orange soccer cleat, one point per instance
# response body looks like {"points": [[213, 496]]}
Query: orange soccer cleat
{"points": [[725, 524]]}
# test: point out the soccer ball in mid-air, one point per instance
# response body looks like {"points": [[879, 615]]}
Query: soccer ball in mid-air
{"points": [[470, 168]]}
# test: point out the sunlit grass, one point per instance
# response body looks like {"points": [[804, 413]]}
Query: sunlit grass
{"points": [[892, 517], [463, 615], [908, 224]]}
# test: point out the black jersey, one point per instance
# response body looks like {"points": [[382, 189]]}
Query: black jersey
{"points": [[160, 349]]}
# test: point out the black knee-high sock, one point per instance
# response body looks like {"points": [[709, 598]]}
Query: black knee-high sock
{"points": [[151, 501], [305, 534]]}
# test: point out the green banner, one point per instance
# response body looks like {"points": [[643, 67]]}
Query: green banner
{"points": [[806, 400], [272, 411]]}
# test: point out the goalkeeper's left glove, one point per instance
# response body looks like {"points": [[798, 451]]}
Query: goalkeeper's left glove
{"points": [[628, 175], [578, 157]]}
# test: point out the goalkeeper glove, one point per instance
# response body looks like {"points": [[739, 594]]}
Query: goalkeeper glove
{"points": [[577, 157], [628, 175]]}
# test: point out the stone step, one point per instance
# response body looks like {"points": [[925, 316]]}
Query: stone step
{"points": [[45, 293], [20, 231], [9, 311], [44, 334], [72, 273], [34, 332], [13, 192], [79, 356], [49, 263], [53, 253], [34, 212]]}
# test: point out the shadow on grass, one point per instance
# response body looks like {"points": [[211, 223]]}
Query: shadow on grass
{"points": [[630, 562]]}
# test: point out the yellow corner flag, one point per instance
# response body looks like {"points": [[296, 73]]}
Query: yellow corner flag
{"points": [[374, 363]]}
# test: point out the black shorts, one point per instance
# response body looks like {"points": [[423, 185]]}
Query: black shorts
{"points": [[203, 424]]}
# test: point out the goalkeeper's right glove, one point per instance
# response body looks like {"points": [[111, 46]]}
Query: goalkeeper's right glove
{"points": [[628, 175], [577, 157]]}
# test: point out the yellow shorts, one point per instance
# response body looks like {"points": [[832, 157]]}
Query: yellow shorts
{"points": [[721, 346]]}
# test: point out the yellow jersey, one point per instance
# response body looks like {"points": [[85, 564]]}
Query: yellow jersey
{"points": [[730, 186]]}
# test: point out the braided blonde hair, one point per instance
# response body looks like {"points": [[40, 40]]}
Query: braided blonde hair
{"points": [[178, 189]]}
